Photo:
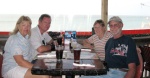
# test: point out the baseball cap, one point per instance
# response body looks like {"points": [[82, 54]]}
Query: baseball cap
{"points": [[116, 19]]}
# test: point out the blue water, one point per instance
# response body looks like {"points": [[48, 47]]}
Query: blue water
{"points": [[76, 22]]}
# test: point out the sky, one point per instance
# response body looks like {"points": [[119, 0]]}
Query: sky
{"points": [[74, 7], [129, 7], [70, 8]]}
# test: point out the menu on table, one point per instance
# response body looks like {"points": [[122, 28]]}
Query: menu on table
{"points": [[69, 35]]}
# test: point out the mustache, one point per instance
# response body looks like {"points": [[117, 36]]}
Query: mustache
{"points": [[116, 32]]}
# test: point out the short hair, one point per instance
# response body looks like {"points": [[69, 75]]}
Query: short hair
{"points": [[101, 22], [44, 15], [116, 19], [20, 20]]}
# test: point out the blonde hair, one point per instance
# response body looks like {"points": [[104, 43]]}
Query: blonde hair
{"points": [[20, 20]]}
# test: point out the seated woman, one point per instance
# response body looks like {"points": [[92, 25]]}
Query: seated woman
{"points": [[18, 51], [99, 39]]}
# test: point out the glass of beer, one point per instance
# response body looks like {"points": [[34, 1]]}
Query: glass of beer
{"points": [[59, 52], [77, 52]]}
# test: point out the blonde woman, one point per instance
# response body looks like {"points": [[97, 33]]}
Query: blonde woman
{"points": [[17, 56]]}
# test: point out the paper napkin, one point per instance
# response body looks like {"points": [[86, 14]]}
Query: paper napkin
{"points": [[88, 65]]}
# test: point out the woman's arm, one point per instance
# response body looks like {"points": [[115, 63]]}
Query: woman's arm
{"points": [[87, 44], [22, 62]]}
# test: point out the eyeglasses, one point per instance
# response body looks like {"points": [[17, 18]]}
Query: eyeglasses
{"points": [[115, 25]]}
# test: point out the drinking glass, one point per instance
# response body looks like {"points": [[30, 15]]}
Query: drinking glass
{"points": [[77, 52], [59, 40], [59, 52]]}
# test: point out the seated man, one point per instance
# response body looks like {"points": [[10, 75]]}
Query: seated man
{"points": [[120, 53], [39, 36]]}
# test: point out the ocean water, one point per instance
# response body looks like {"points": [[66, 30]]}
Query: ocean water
{"points": [[74, 22]]}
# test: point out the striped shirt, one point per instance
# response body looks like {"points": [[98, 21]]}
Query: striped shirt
{"points": [[99, 44]]}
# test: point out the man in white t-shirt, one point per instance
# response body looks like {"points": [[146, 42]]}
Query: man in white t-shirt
{"points": [[40, 39]]}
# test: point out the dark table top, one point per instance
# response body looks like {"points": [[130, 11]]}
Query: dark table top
{"points": [[66, 67]]}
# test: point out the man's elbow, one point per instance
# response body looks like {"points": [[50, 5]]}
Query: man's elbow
{"points": [[39, 50], [44, 48]]}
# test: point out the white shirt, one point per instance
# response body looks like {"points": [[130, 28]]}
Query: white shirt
{"points": [[37, 38], [16, 45]]}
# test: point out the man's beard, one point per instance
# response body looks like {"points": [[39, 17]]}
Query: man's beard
{"points": [[117, 32]]}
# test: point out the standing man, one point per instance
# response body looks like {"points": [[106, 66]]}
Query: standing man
{"points": [[40, 39]]}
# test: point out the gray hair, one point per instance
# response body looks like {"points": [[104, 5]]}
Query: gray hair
{"points": [[116, 19]]}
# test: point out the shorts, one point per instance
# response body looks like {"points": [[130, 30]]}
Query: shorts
{"points": [[17, 72], [112, 73]]}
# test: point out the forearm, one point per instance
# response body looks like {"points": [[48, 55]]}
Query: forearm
{"points": [[87, 44], [132, 70], [130, 74], [44, 48], [25, 63]]}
